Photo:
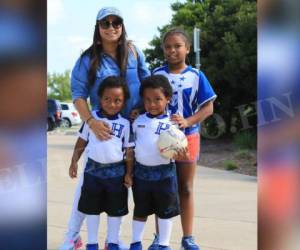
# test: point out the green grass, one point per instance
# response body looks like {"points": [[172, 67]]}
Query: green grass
{"points": [[243, 154], [230, 165], [245, 140]]}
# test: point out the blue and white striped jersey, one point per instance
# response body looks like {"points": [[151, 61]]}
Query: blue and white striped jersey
{"points": [[191, 90]]}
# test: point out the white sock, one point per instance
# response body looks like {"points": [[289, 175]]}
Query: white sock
{"points": [[113, 229], [137, 230], [92, 222], [165, 229]]}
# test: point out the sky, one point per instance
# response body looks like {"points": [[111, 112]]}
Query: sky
{"points": [[71, 26]]}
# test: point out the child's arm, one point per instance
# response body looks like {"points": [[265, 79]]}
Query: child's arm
{"points": [[77, 152], [129, 161], [205, 111], [134, 114]]}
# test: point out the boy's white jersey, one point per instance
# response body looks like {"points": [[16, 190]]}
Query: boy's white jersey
{"points": [[147, 129], [191, 90], [112, 150]]}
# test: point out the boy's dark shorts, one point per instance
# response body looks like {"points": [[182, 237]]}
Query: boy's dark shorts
{"points": [[156, 193], [103, 189]]}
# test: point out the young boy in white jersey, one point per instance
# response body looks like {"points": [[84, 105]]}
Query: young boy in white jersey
{"points": [[79, 148], [103, 188], [154, 177]]}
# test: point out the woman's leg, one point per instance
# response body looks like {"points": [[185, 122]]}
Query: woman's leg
{"points": [[76, 218]]}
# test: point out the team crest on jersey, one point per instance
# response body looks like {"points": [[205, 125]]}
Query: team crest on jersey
{"points": [[161, 127], [117, 129]]}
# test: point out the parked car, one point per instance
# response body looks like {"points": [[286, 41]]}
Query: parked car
{"points": [[70, 116], [54, 114]]}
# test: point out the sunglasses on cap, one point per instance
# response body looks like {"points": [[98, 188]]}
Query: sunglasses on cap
{"points": [[105, 24]]}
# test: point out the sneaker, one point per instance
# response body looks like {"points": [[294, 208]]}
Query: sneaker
{"points": [[113, 246], [160, 247], [188, 243], [154, 245], [122, 245], [92, 247], [72, 242], [136, 246]]}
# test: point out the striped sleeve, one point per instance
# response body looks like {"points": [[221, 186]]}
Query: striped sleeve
{"points": [[205, 90]]}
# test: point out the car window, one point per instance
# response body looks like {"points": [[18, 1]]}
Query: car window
{"points": [[71, 106], [64, 106]]}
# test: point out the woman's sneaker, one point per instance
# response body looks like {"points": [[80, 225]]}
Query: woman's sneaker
{"points": [[92, 247], [154, 245], [188, 243], [72, 242]]}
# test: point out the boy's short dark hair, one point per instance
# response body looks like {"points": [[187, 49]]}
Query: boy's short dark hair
{"points": [[156, 82], [114, 82]]}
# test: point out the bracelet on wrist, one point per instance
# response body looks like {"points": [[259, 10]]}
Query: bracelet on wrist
{"points": [[89, 119]]}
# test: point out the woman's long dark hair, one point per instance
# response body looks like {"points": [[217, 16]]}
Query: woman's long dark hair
{"points": [[94, 52]]}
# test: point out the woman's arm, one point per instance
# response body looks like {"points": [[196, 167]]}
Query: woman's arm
{"points": [[100, 128], [80, 92], [83, 109]]}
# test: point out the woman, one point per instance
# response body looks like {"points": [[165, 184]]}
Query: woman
{"points": [[109, 54]]}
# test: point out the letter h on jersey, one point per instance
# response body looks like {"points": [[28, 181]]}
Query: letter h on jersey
{"points": [[117, 129]]}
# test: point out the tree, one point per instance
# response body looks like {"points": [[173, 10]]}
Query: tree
{"points": [[228, 49], [59, 86]]}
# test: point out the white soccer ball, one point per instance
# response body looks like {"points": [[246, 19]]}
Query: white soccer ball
{"points": [[170, 141]]}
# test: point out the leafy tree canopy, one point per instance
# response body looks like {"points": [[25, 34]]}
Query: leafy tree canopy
{"points": [[59, 86]]}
